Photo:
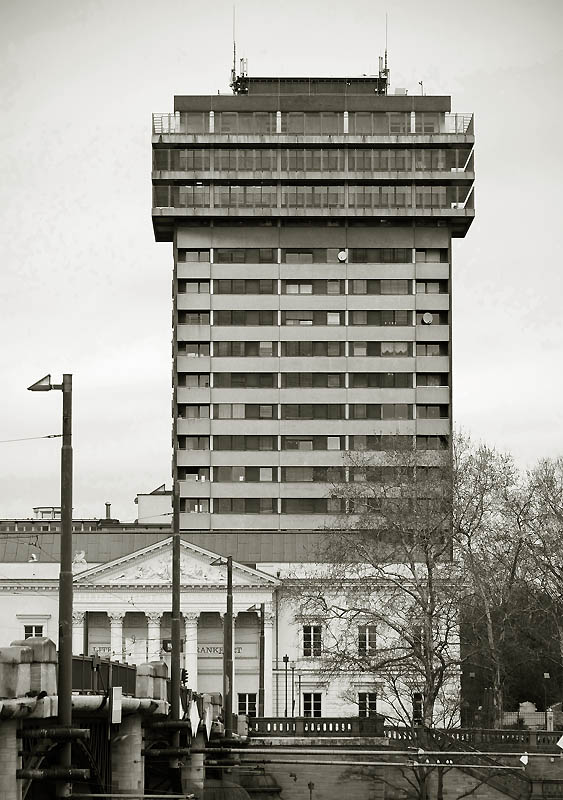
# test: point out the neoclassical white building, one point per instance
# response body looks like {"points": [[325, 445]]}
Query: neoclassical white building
{"points": [[122, 611]]}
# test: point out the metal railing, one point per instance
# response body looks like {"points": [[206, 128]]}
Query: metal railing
{"points": [[449, 123], [95, 675], [316, 726], [487, 739]]}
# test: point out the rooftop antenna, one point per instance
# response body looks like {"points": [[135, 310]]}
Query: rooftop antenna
{"points": [[234, 69], [386, 43], [383, 68]]}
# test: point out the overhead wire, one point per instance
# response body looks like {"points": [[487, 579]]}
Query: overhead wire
{"points": [[30, 438]]}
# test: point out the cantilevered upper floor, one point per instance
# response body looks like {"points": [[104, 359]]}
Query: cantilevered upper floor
{"points": [[306, 152]]}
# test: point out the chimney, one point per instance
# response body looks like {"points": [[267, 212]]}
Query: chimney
{"points": [[108, 510]]}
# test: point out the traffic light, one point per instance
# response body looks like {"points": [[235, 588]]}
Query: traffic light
{"points": [[184, 676], [417, 708]]}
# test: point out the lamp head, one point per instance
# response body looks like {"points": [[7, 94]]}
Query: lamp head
{"points": [[43, 385]]}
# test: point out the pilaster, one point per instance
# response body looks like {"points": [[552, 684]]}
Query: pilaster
{"points": [[78, 632], [116, 633], [190, 647], [153, 635]]}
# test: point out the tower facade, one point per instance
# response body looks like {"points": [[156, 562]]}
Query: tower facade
{"points": [[312, 224]]}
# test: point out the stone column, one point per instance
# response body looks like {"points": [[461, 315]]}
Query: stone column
{"points": [[153, 635], [127, 763], [190, 647], [268, 683], [10, 788], [78, 633], [116, 634]]}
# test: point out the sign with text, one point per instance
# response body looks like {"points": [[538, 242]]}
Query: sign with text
{"points": [[213, 650]]}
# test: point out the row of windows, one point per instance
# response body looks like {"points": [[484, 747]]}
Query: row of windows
{"points": [[268, 380], [375, 317], [301, 411], [362, 442], [274, 505], [322, 159], [315, 255], [269, 443], [236, 349], [262, 505], [309, 704], [324, 123], [379, 474], [307, 380], [390, 286], [44, 527], [313, 411], [314, 196], [300, 380], [366, 644]]}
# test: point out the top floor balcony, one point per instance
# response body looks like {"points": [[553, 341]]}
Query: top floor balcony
{"points": [[340, 126]]}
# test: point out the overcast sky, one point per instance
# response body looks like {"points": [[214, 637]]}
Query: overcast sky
{"points": [[86, 290]]}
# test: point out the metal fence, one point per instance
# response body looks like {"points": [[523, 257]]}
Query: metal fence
{"points": [[316, 726], [95, 675]]}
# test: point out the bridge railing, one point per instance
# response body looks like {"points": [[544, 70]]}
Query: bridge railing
{"points": [[95, 675], [316, 726], [487, 739]]}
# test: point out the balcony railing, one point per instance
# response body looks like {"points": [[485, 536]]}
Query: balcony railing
{"points": [[316, 726], [295, 197], [311, 124]]}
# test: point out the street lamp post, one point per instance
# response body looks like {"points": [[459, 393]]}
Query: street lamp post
{"points": [[261, 657], [285, 660], [64, 679], [262, 652], [227, 649], [175, 617], [546, 677], [293, 688]]}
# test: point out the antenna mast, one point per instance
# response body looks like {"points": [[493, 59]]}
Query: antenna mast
{"points": [[386, 70], [234, 69], [383, 68]]}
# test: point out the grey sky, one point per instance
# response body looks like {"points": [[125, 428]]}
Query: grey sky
{"points": [[86, 290]]}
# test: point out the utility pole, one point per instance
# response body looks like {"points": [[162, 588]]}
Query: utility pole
{"points": [[64, 677], [65, 584], [285, 660], [262, 652], [228, 653], [175, 620], [227, 648]]}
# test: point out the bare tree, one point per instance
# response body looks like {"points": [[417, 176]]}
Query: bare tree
{"points": [[490, 516], [423, 538], [390, 594], [544, 527]]}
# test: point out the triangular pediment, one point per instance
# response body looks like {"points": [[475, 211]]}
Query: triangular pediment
{"points": [[152, 566]]}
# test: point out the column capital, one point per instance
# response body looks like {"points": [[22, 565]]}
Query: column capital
{"points": [[191, 617], [154, 616], [115, 615], [78, 617], [269, 619]]}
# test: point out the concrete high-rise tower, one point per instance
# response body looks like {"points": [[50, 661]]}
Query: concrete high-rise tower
{"points": [[312, 222]]}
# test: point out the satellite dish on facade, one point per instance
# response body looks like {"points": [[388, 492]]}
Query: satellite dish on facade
{"points": [[427, 318], [342, 255]]}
